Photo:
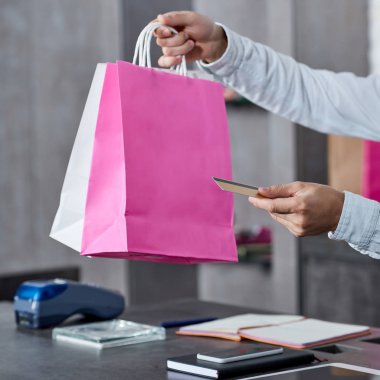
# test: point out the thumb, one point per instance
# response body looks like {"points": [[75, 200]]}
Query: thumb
{"points": [[184, 18], [281, 190]]}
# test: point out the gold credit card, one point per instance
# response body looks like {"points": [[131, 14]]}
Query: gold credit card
{"points": [[235, 187]]}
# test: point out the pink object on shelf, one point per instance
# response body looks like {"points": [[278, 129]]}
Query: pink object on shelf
{"points": [[257, 235], [371, 170]]}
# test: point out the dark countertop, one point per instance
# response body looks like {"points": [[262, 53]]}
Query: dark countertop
{"points": [[32, 354]]}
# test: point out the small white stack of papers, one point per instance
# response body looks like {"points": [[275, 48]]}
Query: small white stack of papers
{"points": [[109, 334]]}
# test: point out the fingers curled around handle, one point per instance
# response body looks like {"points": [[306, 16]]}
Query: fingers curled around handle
{"points": [[169, 61], [181, 18], [173, 40], [179, 50], [163, 32]]}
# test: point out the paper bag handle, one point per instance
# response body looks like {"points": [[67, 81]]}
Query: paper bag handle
{"points": [[142, 50]]}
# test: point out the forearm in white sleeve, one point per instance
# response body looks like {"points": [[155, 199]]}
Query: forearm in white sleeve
{"points": [[359, 224], [328, 102]]}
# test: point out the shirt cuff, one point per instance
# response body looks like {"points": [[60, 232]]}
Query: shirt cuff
{"points": [[231, 58], [358, 221], [371, 254]]}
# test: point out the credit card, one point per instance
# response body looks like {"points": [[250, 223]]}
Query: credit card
{"points": [[235, 187]]}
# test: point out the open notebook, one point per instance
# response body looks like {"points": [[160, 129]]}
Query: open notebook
{"points": [[286, 330]]}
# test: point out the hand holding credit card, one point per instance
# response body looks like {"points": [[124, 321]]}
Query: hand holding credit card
{"points": [[238, 188]]}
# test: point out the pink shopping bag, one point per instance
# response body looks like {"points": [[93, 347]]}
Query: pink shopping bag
{"points": [[371, 170], [159, 139]]}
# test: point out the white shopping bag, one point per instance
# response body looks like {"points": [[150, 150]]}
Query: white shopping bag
{"points": [[68, 223]]}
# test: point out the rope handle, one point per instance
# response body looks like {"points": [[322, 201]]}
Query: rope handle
{"points": [[142, 49]]}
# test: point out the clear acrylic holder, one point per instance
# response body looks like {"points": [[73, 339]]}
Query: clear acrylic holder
{"points": [[106, 334]]}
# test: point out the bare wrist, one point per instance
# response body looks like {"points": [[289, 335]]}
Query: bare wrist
{"points": [[218, 44]]}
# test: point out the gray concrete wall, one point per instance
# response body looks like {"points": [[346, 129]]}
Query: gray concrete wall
{"points": [[49, 49], [283, 150], [243, 284], [338, 283]]}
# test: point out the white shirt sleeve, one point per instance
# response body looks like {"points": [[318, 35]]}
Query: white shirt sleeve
{"points": [[359, 224], [337, 103]]}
